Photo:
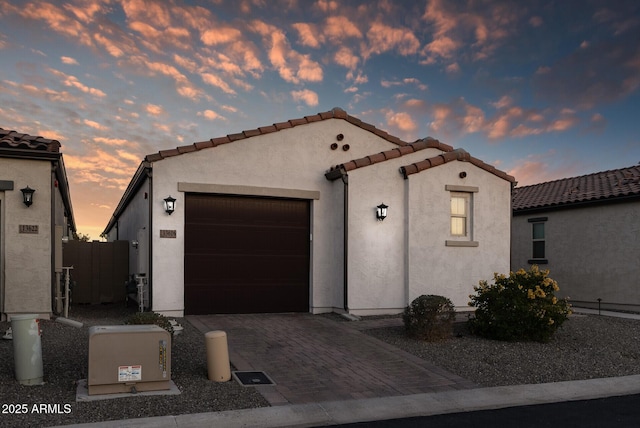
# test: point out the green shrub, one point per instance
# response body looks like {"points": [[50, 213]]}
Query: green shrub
{"points": [[150, 318], [429, 318], [518, 307]]}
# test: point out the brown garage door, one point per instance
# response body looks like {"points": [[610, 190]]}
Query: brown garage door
{"points": [[246, 254]]}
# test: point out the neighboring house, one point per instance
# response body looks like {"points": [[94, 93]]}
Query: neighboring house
{"points": [[283, 218], [31, 226], [586, 231]]}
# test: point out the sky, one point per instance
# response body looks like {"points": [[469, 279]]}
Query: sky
{"points": [[541, 89]]}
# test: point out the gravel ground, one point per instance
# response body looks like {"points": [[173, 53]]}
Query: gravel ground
{"points": [[586, 347], [64, 355]]}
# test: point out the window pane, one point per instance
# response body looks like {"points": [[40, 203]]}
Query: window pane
{"points": [[457, 205], [538, 249], [538, 230], [458, 226]]}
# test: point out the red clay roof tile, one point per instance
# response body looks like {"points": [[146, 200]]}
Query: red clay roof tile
{"points": [[337, 113], [598, 187], [14, 140], [448, 156]]}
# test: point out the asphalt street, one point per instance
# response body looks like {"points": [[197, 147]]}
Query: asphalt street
{"points": [[619, 412]]}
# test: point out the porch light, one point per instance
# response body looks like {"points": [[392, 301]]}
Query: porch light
{"points": [[169, 205], [381, 211], [27, 195]]}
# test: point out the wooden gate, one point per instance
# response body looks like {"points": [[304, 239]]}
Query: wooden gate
{"points": [[100, 270]]}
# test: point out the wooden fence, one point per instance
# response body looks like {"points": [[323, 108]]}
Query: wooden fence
{"points": [[100, 270]]}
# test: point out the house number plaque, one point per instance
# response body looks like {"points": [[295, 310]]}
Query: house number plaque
{"points": [[167, 233], [28, 228]]}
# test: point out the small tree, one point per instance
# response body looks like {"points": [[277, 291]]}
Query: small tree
{"points": [[429, 318], [521, 306]]}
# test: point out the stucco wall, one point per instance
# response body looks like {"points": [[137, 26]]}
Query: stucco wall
{"points": [[593, 252], [295, 158], [130, 225], [377, 249], [434, 267], [26, 256]]}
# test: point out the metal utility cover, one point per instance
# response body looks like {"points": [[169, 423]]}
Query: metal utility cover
{"points": [[246, 378]]}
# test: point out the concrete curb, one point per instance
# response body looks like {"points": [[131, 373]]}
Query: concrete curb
{"points": [[341, 412]]}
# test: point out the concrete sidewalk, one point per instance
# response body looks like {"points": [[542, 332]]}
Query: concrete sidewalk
{"points": [[372, 409]]}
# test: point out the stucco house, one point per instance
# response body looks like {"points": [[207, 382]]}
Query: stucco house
{"points": [[35, 215], [586, 231], [288, 218]]}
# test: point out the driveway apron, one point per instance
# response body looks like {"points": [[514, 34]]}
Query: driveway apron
{"points": [[313, 358]]}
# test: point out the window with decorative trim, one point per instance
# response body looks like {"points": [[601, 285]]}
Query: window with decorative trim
{"points": [[538, 240], [461, 216]]}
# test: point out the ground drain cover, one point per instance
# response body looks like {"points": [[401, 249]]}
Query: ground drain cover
{"points": [[253, 378]]}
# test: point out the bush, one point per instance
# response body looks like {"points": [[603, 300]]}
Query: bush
{"points": [[520, 307], [150, 318], [429, 318]]}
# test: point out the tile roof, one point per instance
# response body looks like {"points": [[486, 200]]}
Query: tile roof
{"points": [[598, 187], [336, 113], [451, 155], [396, 152], [14, 140]]}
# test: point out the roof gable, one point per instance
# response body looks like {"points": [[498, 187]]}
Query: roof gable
{"points": [[598, 187], [452, 155], [336, 113]]}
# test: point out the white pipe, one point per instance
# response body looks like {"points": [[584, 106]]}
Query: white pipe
{"points": [[67, 321]]}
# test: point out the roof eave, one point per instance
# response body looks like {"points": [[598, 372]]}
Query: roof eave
{"points": [[577, 204], [139, 177]]}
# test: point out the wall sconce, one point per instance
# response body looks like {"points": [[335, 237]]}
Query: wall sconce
{"points": [[381, 211], [169, 205], [27, 195]]}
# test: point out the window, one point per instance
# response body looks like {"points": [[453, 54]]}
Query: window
{"points": [[538, 238], [459, 214]]}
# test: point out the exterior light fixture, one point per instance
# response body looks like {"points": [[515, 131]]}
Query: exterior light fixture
{"points": [[27, 195], [381, 211], [169, 205]]}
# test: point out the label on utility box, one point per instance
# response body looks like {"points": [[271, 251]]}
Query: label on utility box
{"points": [[129, 373]]}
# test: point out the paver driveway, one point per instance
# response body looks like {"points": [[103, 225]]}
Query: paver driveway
{"points": [[313, 358]]}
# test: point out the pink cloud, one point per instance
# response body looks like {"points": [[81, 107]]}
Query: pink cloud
{"points": [[307, 34], [148, 11], [401, 120], [210, 115], [72, 81], [346, 58], [219, 36], [95, 125], [327, 5], [68, 60], [216, 81], [154, 110], [384, 38], [307, 96], [54, 17], [292, 66], [339, 28]]}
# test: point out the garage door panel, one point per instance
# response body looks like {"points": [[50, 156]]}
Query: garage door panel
{"points": [[226, 267], [246, 254]]}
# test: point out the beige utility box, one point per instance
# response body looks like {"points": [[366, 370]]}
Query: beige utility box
{"points": [[128, 358]]}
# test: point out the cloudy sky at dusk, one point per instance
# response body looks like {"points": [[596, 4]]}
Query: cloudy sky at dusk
{"points": [[539, 89]]}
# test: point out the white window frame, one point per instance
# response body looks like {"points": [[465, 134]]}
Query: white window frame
{"points": [[466, 239]]}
